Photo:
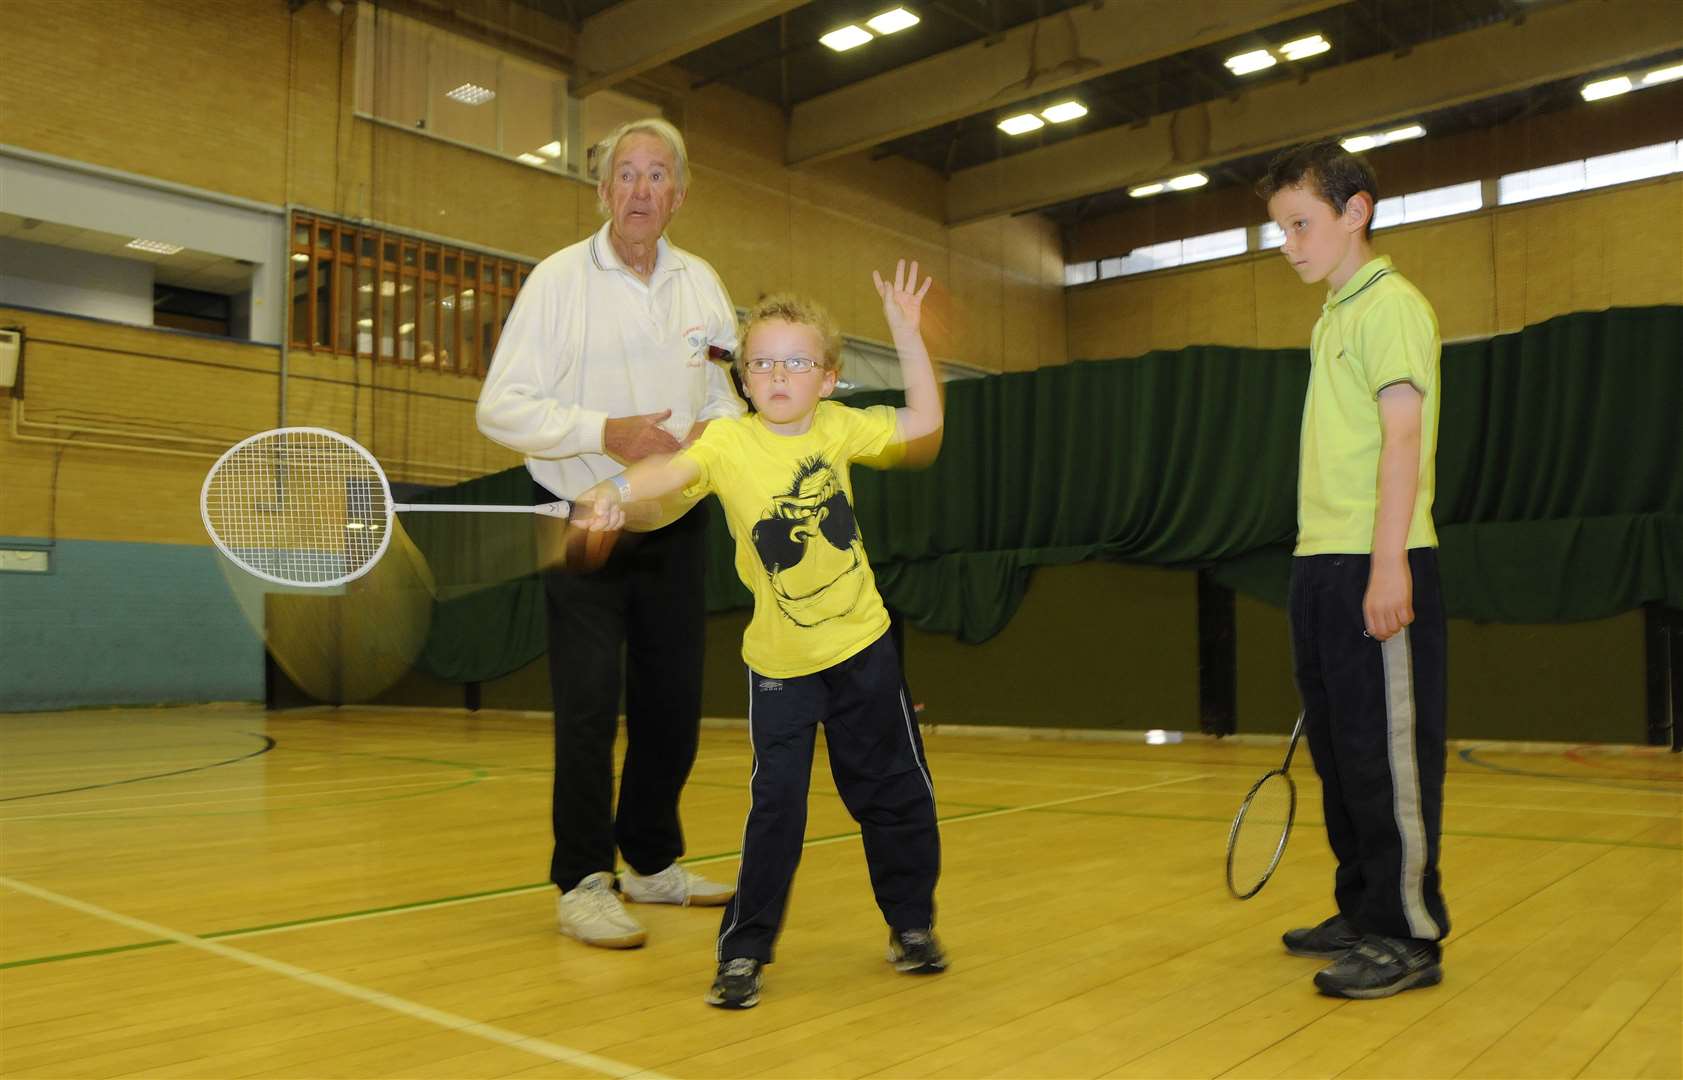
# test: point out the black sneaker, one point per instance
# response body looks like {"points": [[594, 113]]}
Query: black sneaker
{"points": [[1381, 966], [737, 985], [916, 952], [1328, 941]]}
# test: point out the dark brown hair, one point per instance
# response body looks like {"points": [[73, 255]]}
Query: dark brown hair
{"points": [[1326, 168]]}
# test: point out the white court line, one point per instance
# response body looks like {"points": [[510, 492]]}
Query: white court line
{"points": [[451, 1021]]}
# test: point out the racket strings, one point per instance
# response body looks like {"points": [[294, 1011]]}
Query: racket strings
{"points": [[301, 506], [1258, 835]]}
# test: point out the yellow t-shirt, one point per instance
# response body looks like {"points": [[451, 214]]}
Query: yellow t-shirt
{"points": [[1376, 331], [788, 501]]}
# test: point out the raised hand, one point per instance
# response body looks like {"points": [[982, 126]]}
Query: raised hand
{"points": [[902, 302]]}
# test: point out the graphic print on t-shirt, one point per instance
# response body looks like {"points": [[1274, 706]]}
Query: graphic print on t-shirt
{"points": [[809, 545]]}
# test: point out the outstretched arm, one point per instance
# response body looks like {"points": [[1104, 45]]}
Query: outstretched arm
{"points": [[902, 305], [602, 508]]}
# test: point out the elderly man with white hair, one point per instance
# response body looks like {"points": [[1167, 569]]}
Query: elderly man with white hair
{"points": [[606, 359]]}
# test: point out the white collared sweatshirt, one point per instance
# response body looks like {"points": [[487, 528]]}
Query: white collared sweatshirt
{"points": [[587, 340]]}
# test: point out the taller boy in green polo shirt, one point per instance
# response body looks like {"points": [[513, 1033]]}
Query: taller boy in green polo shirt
{"points": [[1367, 618]]}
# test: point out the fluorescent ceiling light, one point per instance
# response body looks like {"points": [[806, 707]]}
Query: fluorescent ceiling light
{"points": [[891, 22], [1188, 182], [1357, 144], [1145, 189], [1246, 63], [532, 159], [1021, 124], [406, 328], [848, 37], [158, 247], [471, 94], [1665, 74], [1606, 88], [365, 323], [1064, 111], [297, 256], [551, 149], [1305, 47]]}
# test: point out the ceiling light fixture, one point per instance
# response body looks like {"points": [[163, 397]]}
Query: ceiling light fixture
{"points": [[1663, 75], [158, 247], [845, 38], [1188, 182], [1248, 63], [532, 159], [471, 94], [1064, 111], [1021, 124], [1144, 190], [551, 149], [892, 22], [1360, 144], [1305, 47], [1606, 88]]}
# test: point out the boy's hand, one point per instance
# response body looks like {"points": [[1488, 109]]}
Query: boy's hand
{"points": [[599, 509], [902, 302], [1389, 603]]}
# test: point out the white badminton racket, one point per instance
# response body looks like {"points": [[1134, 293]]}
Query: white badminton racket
{"points": [[307, 506]]}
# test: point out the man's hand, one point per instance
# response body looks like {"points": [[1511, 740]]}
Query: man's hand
{"points": [[1389, 603], [633, 438]]}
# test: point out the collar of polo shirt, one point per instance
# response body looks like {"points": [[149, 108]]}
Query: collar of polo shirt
{"points": [[604, 257]]}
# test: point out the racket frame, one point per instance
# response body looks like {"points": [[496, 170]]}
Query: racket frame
{"points": [[1285, 831], [560, 508]]}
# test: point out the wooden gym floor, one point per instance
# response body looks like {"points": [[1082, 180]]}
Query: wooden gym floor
{"points": [[221, 892]]}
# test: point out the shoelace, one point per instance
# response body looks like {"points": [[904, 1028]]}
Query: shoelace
{"points": [[601, 900], [914, 938], [742, 965]]}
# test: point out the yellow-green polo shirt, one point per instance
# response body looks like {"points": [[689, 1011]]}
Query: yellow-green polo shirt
{"points": [[1374, 332]]}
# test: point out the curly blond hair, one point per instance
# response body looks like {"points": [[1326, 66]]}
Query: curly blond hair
{"points": [[803, 312]]}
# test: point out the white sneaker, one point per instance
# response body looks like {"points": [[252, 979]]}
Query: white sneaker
{"points": [[674, 885], [592, 913]]}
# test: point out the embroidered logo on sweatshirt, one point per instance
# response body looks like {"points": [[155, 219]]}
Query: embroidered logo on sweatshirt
{"points": [[770, 684]]}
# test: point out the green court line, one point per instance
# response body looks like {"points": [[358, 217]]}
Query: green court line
{"points": [[419, 905], [826, 794], [1471, 833], [478, 776], [288, 924]]}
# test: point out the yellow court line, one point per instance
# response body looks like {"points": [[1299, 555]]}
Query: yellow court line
{"points": [[391, 1003]]}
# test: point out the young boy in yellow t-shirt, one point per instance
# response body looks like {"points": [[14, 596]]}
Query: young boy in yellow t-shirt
{"points": [[1367, 616], [818, 648]]}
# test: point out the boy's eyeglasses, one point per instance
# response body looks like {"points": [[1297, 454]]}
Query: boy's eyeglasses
{"points": [[794, 365]]}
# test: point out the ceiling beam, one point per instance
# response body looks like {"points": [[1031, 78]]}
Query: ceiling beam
{"points": [[1553, 43], [633, 36], [1023, 63]]}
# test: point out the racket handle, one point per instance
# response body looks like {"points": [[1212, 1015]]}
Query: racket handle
{"points": [[558, 509]]}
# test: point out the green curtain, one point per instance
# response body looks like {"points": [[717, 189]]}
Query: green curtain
{"points": [[1560, 487], [488, 618]]}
